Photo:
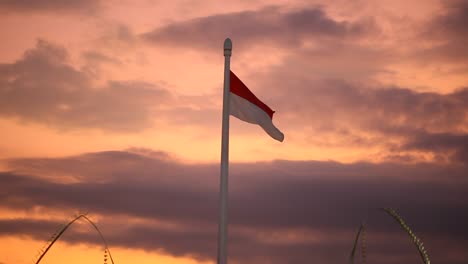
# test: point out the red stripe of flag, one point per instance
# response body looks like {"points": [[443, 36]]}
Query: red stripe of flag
{"points": [[240, 89]]}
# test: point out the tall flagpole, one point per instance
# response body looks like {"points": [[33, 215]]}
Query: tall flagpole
{"points": [[223, 195]]}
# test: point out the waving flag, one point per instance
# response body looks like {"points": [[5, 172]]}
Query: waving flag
{"points": [[247, 107]]}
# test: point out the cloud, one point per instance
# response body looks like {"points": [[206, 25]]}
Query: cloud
{"points": [[271, 26], [400, 107], [66, 98], [452, 20], [444, 145], [448, 33], [33, 228], [55, 6], [119, 38], [98, 57], [279, 211], [337, 112]]}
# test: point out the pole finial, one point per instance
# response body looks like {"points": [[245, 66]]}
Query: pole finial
{"points": [[227, 47]]}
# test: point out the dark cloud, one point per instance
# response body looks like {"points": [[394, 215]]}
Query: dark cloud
{"points": [[97, 57], [449, 32], [56, 6], [120, 37], [269, 26], [95, 61], [310, 97], [32, 228], [443, 145], [43, 87], [453, 19], [281, 211], [336, 112]]}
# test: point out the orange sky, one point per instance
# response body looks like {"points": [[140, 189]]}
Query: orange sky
{"points": [[129, 92]]}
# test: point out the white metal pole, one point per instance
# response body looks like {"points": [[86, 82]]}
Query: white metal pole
{"points": [[223, 195]]}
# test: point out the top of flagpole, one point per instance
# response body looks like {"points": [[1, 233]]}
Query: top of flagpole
{"points": [[227, 47]]}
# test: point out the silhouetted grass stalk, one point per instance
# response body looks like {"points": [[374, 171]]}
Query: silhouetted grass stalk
{"points": [[353, 251], [416, 240]]}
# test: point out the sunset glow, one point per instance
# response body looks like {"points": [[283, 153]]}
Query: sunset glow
{"points": [[113, 108]]}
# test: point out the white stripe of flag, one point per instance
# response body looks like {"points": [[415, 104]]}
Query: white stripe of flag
{"points": [[247, 107]]}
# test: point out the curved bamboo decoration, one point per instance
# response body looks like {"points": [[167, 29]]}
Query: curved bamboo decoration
{"points": [[418, 243], [62, 230], [399, 219]]}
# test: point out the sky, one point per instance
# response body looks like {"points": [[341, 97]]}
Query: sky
{"points": [[113, 108]]}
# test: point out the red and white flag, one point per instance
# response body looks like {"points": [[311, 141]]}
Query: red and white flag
{"points": [[247, 107]]}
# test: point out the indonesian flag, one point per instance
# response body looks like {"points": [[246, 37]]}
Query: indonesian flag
{"points": [[247, 107]]}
